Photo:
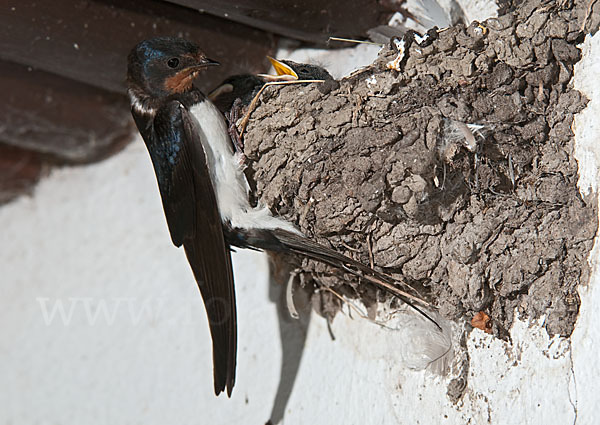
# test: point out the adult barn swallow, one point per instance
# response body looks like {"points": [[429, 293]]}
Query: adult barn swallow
{"points": [[203, 188], [183, 134]]}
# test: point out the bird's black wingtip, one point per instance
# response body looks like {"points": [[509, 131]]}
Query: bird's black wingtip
{"points": [[222, 385], [219, 388], [230, 380]]}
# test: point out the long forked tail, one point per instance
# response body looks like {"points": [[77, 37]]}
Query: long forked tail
{"points": [[284, 241]]}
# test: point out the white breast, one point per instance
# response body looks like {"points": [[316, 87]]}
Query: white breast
{"points": [[228, 179]]}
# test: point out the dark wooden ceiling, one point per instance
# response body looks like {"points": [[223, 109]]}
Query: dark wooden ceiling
{"points": [[63, 64]]}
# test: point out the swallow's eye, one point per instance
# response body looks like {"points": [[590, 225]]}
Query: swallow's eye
{"points": [[173, 63]]}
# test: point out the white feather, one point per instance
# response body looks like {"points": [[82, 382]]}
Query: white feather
{"points": [[138, 105], [228, 179]]}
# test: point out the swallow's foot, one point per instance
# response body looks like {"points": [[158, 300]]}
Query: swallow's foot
{"points": [[238, 143]]}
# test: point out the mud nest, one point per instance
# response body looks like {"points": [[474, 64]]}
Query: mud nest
{"points": [[454, 173]]}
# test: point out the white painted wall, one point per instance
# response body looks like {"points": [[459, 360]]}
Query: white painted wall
{"points": [[586, 337], [95, 236]]}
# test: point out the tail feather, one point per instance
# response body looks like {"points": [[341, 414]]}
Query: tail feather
{"points": [[284, 241]]}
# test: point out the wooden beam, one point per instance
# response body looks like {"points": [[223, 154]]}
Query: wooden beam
{"points": [[308, 20], [60, 118], [88, 41], [20, 170]]}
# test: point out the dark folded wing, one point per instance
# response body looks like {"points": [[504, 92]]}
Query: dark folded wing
{"points": [[193, 218]]}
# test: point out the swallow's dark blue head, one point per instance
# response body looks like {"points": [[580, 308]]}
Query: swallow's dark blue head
{"points": [[163, 66]]}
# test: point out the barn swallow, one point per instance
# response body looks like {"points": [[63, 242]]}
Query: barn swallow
{"points": [[246, 86], [243, 87], [204, 190], [290, 70]]}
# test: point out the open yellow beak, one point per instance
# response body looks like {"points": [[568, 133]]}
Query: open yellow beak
{"points": [[281, 68], [284, 72]]}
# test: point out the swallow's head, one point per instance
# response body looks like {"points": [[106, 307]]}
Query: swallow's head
{"points": [[289, 70], [306, 71], [164, 66]]}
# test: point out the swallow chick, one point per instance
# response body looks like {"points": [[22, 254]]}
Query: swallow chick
{"points": [[290, 70], [246, 86], [243, 87], [238, 95], [204, 190]]}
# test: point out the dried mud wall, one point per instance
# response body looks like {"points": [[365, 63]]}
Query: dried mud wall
{"points": [[455, 173]]}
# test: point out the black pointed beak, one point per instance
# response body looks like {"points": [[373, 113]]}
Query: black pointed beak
{"points": [[208, 62]]}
